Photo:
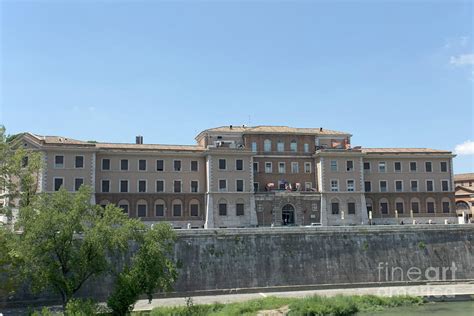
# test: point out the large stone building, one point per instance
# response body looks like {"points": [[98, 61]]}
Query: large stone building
{"points": [[464, 193], [239, 176]]}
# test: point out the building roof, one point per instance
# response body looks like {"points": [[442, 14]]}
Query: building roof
{"points": [[464, 176], [124, 146], [404, 151]]}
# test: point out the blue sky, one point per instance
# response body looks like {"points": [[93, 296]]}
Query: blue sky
{"points": [[393, 73]]}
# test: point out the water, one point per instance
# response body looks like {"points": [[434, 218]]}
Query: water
{"points": [[432, 309]]}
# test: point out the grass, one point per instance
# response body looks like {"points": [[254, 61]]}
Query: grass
{"points": [[309, 306]]}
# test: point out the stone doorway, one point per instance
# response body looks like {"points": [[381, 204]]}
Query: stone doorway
{"points": [[288, 215]]}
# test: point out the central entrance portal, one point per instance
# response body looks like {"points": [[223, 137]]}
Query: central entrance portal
{"points": [[288, 215]]}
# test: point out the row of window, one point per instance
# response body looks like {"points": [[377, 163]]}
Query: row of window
{"points": [[142, 186], [413, 166], [239, 164], [59, 161], [280, 146], [143, 165], [160, 209], [430, 207], [335, 208], [295, 167], [414, 187]]}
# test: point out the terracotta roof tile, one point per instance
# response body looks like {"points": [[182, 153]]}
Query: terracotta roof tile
{"points": [[464, 176], [404, 151], [275, 129]]}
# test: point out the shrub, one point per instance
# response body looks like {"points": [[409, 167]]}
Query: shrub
{"points": [[79, 307]]}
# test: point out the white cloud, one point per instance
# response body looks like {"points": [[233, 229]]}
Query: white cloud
{"points": [[466, 148], [462, 60]]}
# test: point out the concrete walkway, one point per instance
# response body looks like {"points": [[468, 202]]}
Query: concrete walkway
{"points": [[429, 290]]}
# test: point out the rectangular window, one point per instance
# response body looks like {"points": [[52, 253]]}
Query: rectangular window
{"points": [[334, 165], [308, 186], [79, 162], [222, 164], [397, 166], [177, 165], [59, 161], [177, 186], [239, 209], [194, 165], [295, 167], [77, 183], [123, 186], [351, 208], [334, 185], [239, 185], [446, 207], [382, 167], [384, 208], [414, 186], [268, 167], [194, 186], [350, 185], [429, 186], [413, 166], [399, 207], [141, 186], [124, 164], [445, 185], [444, 166], [307, 167], [428, 167], [124, 208], [349, 165], [105, 188], [366, 166], [222, 209], [398, 185], [281, 167], [177, 210], [142, 164], [335, 208], [194, 208], [280, 146], [368, 186], [160, 186], [306, 148], [267, 145], [141, 210], [294, 146], [255, 187], [222, 185], [239, 164], [24, 162], [160, 165], [105, 164], [159, 210], [58, 183], [415, 207], [255, 167], [254, 147], [383, 186], [430, 207]]}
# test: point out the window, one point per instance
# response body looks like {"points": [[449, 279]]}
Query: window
{"points": [[382, 166], [79, 162], [160, 186], [177, 165], [105, 164], [383, 186], [280, 146], [351, 208], [446, 207], [307, 167], [239, 164], [335, 208], [177, 186], [414, 186], [77, 183], [399, 207], [159, 210], [368, 186], [194, 186], [222, 185], [141, 186], [444, 166], [281, 167], [294, 167], [349, 165], [334, 185], [268, 167], [222, 209], [384, 207], [239, 209], [366, 166], [24, 162], [105, 188], [160, 165], [59, 161], [430, 207], [294, 146], [177, 207], [254, 147], [398, 185], [413, 166], [239, 185], [222, 164], [415, 207], [141, 210], [58, 183], [255, 167], [123, 186], [308, 186], [428, 167], [350, 185], [429, 186], [306, 148], [124, 164], [124, 208], [142, 164], [333, 165], [267, 145], [255, 186], [194, 209], [194, 165], [398, 166], [445, 185]]}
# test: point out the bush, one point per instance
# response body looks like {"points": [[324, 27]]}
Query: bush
{"points": [[79, 307]]}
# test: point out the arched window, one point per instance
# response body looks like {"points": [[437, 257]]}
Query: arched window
{"points": [[294, 146], [194, 208], [415, 205], [280, 146], [222, 205], [462, 206], [240, 207], [160, 208], [383, 206], [177, 207], [351, 206], [142, 208], [267, 145], [335, 206], [399, 205], [124, 205], [430, 205], [446, 205], [104, 203]]}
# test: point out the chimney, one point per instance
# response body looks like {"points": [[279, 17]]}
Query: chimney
{"points": [[139, 140], [320, 129], [230, 126]]}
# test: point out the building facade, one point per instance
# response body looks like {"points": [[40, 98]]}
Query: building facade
{"points": [[239, 176], [464, 194]]}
